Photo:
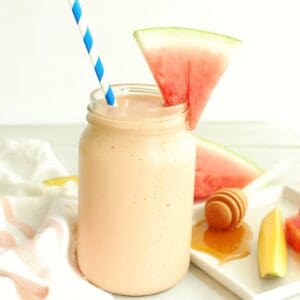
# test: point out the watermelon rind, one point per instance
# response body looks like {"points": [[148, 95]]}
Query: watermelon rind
{"points": [[155, 36]]}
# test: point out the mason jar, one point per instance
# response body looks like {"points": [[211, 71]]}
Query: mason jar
{"points": [[136, 187]]}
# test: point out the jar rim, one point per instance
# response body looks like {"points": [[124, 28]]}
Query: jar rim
{"points": [[99, 107]]}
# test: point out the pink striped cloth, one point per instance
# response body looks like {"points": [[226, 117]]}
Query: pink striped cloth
{"points": [[38, 227]]}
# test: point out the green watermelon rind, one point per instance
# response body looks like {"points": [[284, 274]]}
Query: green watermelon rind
{"points": [[186, 34], [225, 151]]}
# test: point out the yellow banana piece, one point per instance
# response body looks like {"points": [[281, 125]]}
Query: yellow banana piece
{"points": [[272, 249], [58, 181]]}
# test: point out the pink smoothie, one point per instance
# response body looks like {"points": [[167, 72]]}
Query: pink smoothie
{"points": [[136, 184]]}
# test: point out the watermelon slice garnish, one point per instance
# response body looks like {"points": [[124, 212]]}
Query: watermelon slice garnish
{"points": [[292, 232], [186, 63], [222, 168]]}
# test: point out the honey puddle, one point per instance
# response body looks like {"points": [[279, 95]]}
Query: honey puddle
{"points": [[225, 245]]}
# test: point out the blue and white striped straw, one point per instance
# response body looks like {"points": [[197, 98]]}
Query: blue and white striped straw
{"points": [[91, 49]]}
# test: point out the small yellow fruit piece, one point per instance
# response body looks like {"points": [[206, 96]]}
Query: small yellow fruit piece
{"points": [[58, 181], [272, 249]]}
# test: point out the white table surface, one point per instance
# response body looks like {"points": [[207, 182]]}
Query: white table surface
{"points": [[263, 143]]}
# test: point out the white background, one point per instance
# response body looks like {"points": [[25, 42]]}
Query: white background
{"points": [[46, 76]]}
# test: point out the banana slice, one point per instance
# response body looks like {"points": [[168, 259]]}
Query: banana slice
{"points": [[272, 249]]}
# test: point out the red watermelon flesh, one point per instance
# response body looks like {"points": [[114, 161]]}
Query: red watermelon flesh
{"points": [[186, 64], [218, 167]]}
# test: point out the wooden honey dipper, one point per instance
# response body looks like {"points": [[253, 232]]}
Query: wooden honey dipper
{"points": [[226, 208]]}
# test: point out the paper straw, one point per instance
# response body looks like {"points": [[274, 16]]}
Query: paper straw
{"points": [[266, 178], [91, 49]]}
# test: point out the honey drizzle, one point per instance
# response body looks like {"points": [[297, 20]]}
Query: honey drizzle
{"points": [[225, 245]]}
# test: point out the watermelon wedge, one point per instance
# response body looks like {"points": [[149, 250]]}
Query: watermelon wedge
{"points": [[186, 63], [218, 167]]}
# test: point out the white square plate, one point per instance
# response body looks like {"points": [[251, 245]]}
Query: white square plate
{"points": [[242, 276]]}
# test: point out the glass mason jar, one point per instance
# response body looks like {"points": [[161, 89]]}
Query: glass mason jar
{"points": [[136, 186]]}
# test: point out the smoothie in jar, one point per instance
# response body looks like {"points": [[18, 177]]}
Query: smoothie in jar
{"points": [[136, 186]]}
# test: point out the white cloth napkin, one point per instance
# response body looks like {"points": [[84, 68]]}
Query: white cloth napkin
{"points": [[38, 227]]}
